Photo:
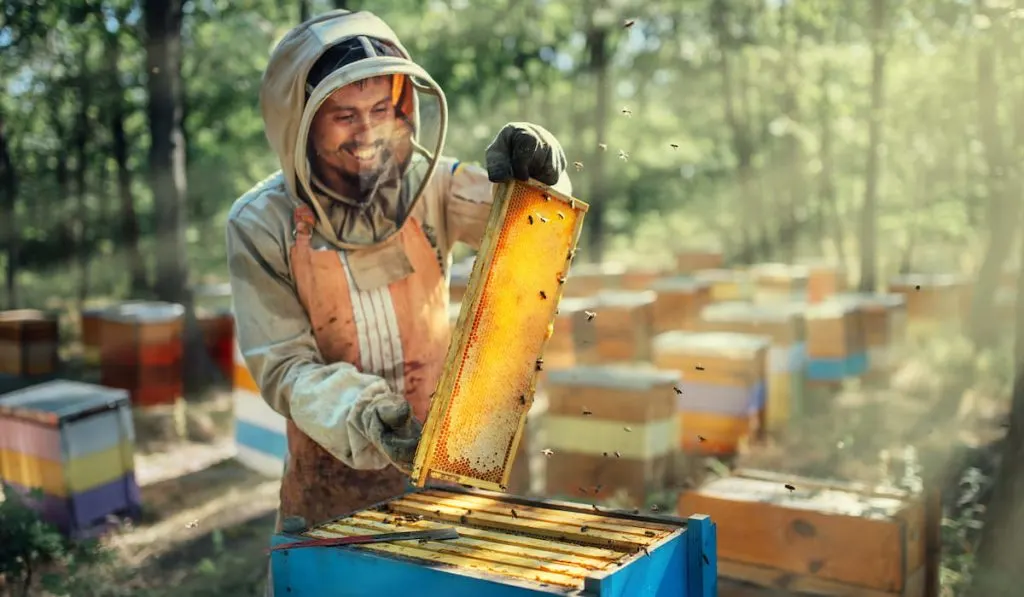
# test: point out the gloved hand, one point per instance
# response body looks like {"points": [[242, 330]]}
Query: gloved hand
{"points": [[393, 430], [522, 150]]}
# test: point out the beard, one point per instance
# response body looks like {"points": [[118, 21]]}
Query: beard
{"points": [[365, 180]]}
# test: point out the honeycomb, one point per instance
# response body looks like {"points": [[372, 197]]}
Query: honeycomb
{"points": [[486, 389]]}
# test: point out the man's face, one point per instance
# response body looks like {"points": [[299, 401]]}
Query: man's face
{"points": [[352, 131]]}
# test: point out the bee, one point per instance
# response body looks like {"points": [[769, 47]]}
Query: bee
{"points": [[463, 519], [529, 218], [790, 488], [540, 364], [590, 315], [561, 216], [646, 553], [618, 454], [674, 145], [584, 529], [700, 368], [522, 399], [561, 279], [594, 506], [597, 488], [543, 294], [704, 557], [623, 156], [547, 197], [627, 429], [193, 524], [514, 515], [587, 413], [582, 490], [602, 146], [578, 165], [701, 438], [626, 112], [542, 219], [572, 255], [627, 23], [917, 287], [572, 203], [678, 391], [547, 452], [655, 507], [649, 533], [605, 454]]}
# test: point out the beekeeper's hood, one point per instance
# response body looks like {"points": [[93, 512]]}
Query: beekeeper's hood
{"points": [[316, 59]]}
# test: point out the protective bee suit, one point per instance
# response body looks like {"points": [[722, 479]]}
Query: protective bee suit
{"points": [[341, 301]]}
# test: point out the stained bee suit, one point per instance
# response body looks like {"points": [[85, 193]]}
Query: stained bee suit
{"points": [[341, 302]]}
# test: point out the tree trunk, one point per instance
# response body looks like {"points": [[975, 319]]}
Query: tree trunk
{"points": [[827, 184], [8, 213], [598, 45], [304, 10], [81, 214], [869, 211]]}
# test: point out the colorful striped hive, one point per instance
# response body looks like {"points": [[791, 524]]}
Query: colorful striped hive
{"points": [[726, 284], [884, 319], [506, 547], [588, 279], [822, 537], [624, 446], [835, 342], [678, 303], [261, 439], [690, 261], [621, 329], [779, 283], [29, 341], [723, 386], [141, 350], [75, 442], [932, 300], [784, 324]]}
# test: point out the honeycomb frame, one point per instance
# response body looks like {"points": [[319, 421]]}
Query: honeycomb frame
{"points": [[517, 205]]}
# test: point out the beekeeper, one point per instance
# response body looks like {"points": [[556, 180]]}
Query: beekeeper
{"points": [[339, 262]]}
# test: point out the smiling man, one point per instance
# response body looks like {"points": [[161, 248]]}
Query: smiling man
{"points": [[339, 262]]}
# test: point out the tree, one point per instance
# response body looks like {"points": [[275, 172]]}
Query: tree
{"points": [[872, 172]]}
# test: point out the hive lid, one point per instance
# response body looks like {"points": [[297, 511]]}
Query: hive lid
{"points": [[831, 308], [26, 315], [779, 271], [928, 280], [476, 418], [53, 401], [817, 499], [720, 275], [882, 300], [725, 344], [619, 376], [144, 312], [747, 312], [679, 284]]}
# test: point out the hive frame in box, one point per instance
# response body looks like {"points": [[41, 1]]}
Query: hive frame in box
{"points": [[517, 206], [654, 571]]}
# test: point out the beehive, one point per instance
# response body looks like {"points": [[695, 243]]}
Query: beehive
{"points": [[588, 279], [678, 303], [529, 466], [689, 261], [621, 329], [824, 281], [261, 439], [218, 329], [819, 538], [91, 325], [612, 429], [835, 341], [779, 283], [723, 387], [141, 350], [784, 324], [75, 442], [569, 335], [884, 320], [28, 343], [726, 284], [475, 423], [639, 278], [932, 300], [507, 547]]}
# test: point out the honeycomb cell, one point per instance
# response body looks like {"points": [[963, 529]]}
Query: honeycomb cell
{"points": [[477, 415]]}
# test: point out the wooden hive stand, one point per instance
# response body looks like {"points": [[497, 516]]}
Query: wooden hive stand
{"points": [[75, 443], [721, 396], [801, 536]]}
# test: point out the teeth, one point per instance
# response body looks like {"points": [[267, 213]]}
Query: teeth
{"points": [[365, 154]]}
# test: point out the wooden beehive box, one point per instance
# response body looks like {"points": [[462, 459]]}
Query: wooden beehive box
{"points": [[689, 261], [588, 279], [779, 282], [29, 340], [726, 284], [75, 442], [612, 429], [218, 329], [261, 440], [507, 547], [569, 328], [824, 280], [529, 466], [884, 319], [620, 331], [639, 278], [141, 351], [820, 538], [678, 303], [930, 299], [723, 386]]}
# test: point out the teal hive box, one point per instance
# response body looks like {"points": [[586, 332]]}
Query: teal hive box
{"points": [[507, 547]]}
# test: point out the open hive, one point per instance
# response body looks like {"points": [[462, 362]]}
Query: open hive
{"points": [[612, 431], [721, 398], [779, 282], [29, 340], [835, 341], [75, 443], [810, 536], [678, 303], [726, 284], [506, 547], [620, 331], [473, 429], [784, 325]]}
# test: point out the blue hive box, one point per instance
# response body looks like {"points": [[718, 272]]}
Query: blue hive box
{"points": [[74, 443], [507, 547]]}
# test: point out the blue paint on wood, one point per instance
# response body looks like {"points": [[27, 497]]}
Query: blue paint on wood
{"points": [[857, 364], [837, 369], [261, 439], [663, 573], [702, 560], [95, 433]]}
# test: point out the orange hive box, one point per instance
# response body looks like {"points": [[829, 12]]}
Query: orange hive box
{"points": [[779, 282], [726, 284], [612, 432], [29, 340], [820, 537], [141, 350], [689, 261], [678, 303], [824, 280], [472, 432], [587, 279], [621, 330]]}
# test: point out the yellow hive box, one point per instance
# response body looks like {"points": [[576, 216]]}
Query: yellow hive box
{"points": [[621, 329], [472, 432], [820, 537]]}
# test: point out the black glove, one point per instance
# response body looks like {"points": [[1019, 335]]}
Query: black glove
{"points": [[522, 150], [391, 427]]}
